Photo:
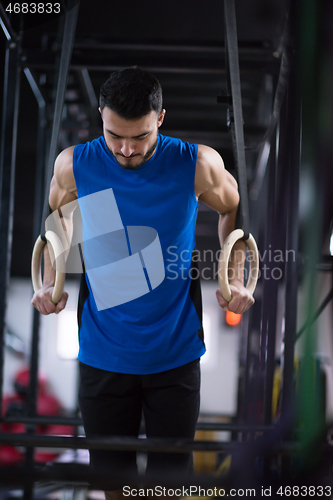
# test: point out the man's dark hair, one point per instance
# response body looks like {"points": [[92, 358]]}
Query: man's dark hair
{"points": [[132, 93]]}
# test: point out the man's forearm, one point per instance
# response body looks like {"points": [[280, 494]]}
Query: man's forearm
{"points": [[49, 272], [61, 223], [237, 257]]}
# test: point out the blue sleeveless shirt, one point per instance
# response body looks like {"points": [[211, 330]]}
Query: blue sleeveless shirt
{"points": [[140, 303]]}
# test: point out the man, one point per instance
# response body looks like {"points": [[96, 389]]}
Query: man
{"points": [[141, 354]]}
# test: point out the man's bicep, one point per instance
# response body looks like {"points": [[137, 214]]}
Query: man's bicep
{"points": [[222, 198], [59, 196], [63, 188]]}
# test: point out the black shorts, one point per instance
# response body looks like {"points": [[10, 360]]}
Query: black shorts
{"points": [[112, 405]]}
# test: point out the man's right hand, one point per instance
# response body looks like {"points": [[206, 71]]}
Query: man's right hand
{"points": [[43, 303]]}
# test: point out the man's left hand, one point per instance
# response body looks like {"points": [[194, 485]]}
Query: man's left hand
{"points": [[241, 300]]}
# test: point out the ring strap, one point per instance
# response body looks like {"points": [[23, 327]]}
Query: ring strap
{"points": [[236, 121], [66, 55]]}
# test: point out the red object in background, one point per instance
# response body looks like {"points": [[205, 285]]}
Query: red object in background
{"points": [[10, 455], [22, 380], [59, 430], [48, 405], [15, 406]]}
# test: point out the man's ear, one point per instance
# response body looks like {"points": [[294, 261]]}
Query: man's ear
{"points": [[161, 117]]}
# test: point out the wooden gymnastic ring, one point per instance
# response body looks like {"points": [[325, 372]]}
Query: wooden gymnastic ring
{"points": [[59, 260], [231, 239]]}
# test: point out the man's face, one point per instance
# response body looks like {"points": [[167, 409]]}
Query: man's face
{"points": [[131, 142]]}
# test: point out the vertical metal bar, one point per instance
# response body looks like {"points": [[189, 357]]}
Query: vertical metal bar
{"points": [[65, 59], [270, 292], [236, 122], [39, 199], [40, 170], [237, 133], [7, 181], [266, 302], [243, 372], [290, 145], [292, 138], [34, 347], [246, 399]]}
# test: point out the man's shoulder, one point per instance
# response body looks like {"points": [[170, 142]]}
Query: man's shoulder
{"points": [[89, 145], [63, 167], [178, 146], [65, 158], [209, 168], [176, 141], [63, 179]]}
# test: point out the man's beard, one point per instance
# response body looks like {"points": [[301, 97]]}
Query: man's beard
{"points": [[144, 158]]}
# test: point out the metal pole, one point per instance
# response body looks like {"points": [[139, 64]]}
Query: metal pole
{"points": [[292, 139], [39, 191], [7, 181], [248, 329], [76, 421], [34, 349], [270, 291], [63, 70], [236, 120]]}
